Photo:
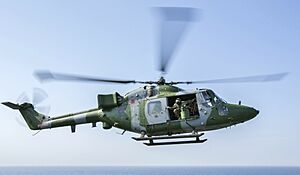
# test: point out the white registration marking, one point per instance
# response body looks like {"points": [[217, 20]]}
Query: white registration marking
{"points": [[45, 125]]}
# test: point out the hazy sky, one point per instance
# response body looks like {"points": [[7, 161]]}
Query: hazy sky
{"points": [[118, 39]]}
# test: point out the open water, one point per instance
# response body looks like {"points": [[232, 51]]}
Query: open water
{"points": [[149, 170]]}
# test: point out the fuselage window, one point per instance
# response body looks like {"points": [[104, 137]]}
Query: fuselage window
{"points": [[154, 108]]}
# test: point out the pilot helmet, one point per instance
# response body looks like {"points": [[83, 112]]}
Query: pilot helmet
{"points": [[178, 100]]}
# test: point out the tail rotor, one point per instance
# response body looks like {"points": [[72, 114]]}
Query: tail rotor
{"points": [[38, 99]]}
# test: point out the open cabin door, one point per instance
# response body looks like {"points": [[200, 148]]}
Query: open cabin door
{"points": [[156, 112], [188, 109]]}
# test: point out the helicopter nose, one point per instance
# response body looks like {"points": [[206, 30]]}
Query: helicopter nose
{"points": [[251, 113], [257, 112]]}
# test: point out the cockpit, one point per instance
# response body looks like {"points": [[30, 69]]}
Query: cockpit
{"points": [[210, 99]]}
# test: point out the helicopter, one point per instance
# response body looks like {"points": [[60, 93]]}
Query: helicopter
{"points": [[160, 112]]}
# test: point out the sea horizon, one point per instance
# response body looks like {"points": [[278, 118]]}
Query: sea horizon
{"points": [[195, 166], [148, 170]]}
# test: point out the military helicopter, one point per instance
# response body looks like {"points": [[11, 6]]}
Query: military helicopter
{"points": [[159, 110]]}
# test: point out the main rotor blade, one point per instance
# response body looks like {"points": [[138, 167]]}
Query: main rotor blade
{"points": [[173, 25], [44, 76], [257, 78]]}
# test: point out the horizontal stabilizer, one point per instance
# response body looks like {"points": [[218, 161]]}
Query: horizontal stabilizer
{"points": [[11, 105]]}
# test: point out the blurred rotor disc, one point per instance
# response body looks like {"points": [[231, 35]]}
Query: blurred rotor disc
{"points": [[38, 100]]}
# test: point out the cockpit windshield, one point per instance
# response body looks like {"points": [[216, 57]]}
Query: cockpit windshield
{"points": [[211, 99]]}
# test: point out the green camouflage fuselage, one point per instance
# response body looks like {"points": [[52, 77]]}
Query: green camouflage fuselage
{"points": [[133, 114], [145, 110]]}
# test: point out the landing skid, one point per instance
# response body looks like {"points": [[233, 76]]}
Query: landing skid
{"points": [[151, 139]]}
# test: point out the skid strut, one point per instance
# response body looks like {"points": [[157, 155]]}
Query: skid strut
{"points": [[152, 143]]}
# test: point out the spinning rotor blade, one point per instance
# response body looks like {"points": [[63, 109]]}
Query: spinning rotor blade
{"points": [[23, 98], [21, 121], [174, 22], [43, 109], [44, 76], [38, 96], [258, 78]]}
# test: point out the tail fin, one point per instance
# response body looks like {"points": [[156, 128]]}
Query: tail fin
{"points": [[32, 117]]}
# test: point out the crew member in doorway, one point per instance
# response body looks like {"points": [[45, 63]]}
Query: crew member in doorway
{"points": [[176, 108]]}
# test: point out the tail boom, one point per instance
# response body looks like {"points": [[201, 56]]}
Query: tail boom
{"points": [[37, 121], [90, 116]]}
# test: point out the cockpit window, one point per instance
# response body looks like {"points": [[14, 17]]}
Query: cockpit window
{"points": [[211, 99], [207, 98]]}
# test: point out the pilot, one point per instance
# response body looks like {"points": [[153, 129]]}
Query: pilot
{"points": [[149, 91], [176, 108]]}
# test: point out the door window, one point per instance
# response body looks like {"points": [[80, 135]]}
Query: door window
{"points": [[154, 108]]}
